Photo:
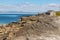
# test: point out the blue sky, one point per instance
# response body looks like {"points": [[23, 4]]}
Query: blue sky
{"points": [[29, 5]]}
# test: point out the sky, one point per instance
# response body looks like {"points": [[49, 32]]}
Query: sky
{"points": [[29, 5]]}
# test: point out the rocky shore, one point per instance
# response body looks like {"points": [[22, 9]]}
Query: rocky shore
{"points": [[38, 27]]}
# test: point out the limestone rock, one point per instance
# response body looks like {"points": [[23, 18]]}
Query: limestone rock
{"points": [[38, 27]]}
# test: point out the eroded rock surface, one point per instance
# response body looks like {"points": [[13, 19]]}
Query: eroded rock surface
{"points": [[39, 27]]}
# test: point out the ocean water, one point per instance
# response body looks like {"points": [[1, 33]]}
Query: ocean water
{"points": [[6, 18]]}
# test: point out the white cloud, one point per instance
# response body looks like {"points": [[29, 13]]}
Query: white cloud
{"points": [[28, 7], [7, 7], [54, 5]]}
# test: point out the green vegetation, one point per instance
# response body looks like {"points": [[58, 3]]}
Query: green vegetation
{"points": [[58, 13]]}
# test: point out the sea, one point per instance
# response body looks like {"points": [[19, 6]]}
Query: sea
{"points": [[6, 18]]}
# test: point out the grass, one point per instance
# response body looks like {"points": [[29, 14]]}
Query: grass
{"points": [[58, 13]]}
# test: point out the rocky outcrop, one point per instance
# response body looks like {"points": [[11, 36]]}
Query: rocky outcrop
{"points": [[39, 27]]}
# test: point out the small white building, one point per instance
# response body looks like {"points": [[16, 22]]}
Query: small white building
{"points": [[51, 13]]}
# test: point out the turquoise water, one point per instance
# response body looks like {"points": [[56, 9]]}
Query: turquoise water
{"points": [[7, 18]]}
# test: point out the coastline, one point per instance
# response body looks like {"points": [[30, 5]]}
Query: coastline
{"points": [[30, 26], [8, 18]]}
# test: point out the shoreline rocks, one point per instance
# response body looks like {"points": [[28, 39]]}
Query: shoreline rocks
{"points": [[39, 25]]}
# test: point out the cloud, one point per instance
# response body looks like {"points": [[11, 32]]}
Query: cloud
{"points": [[54, 5], [22, 7], [7, 7], [29, 7]]}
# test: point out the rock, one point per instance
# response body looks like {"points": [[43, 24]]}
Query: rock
{"points": [[39, 27]]}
